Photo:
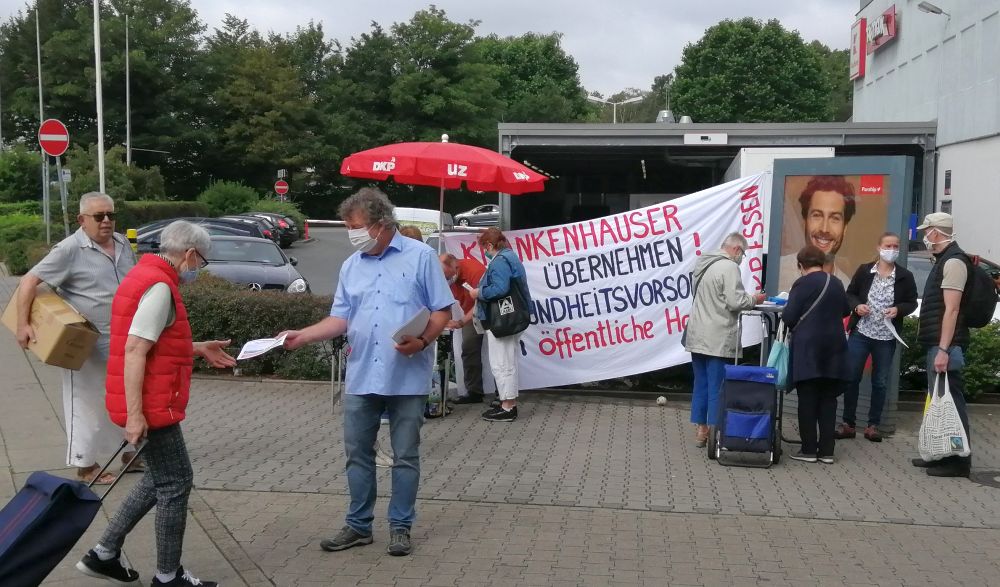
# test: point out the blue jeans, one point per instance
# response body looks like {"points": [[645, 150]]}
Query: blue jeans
{"points": [[859, 348], [362, 417], [709, 373], [956, 384]]}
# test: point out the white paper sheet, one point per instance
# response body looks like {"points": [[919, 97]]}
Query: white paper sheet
{"points": [[258, 347], [892, 329], [414, 326]]}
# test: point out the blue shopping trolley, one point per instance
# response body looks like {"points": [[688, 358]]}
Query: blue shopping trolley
{"points": [[749, 420]]}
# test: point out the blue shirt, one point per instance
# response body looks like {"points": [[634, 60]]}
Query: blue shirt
{"points": [[377, 295]]}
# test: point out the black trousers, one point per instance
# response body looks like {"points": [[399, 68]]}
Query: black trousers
{"points": [[472, 360], [818, 411]]}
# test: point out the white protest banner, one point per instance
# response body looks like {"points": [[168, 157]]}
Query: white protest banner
{"points": [[612, 295]]}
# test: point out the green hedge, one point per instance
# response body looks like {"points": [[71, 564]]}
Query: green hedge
{"points": [[227, 197], [982, 361], [22, 241], [133, 214], [220, 310], [8, 208]]}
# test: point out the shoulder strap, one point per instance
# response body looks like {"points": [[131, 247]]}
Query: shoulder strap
{"points": [[818, 298], [698, 281]]}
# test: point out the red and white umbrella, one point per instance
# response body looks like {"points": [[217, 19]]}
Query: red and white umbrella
{"points": [[444, 165]]}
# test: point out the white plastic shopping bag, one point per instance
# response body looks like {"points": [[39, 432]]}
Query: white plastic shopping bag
{"points": [[941, 433]]}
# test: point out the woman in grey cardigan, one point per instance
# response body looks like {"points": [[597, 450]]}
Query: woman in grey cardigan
{"points": [[711, 333]]}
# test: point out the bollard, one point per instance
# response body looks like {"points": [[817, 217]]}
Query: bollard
{"points": [[132, 236], [305, 230]]}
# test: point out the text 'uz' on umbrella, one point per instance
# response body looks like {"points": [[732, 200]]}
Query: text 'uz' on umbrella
{"points": [[444, 165]]}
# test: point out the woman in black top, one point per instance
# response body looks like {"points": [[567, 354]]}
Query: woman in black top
{"points": [[815, 312]]}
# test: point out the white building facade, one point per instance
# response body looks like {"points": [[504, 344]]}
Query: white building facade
{"points": [[927, 61]]}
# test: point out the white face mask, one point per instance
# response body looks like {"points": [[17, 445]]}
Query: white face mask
{"points": [[889, 255], [361, 239], [930, 245]]}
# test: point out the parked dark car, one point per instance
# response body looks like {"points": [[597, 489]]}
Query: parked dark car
{"points": [[255, 262], [485, 215], [919, 263], [148, 235], [267, 227], [288, 232]]}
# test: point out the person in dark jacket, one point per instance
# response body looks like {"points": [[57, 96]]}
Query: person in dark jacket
{"points": [[817, 362], [942, 330], [878, 291]]}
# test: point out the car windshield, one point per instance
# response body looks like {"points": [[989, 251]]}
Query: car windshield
{"points": [[226, 251], [921, 268]]}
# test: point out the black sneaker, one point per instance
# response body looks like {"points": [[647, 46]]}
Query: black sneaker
{"points": [[468, 399], [346, 538], [110, 570], [800, 456], [500, 415], [399, 542], [495, 403], [919, 462], [184, 579]]}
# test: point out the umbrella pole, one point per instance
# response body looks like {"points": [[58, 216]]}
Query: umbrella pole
{"points": [[441, 220]]}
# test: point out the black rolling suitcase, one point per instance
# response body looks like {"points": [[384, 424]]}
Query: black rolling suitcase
{"points": [[43, 522], [749, 420]]}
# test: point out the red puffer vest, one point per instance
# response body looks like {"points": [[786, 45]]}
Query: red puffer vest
{"points": [[167, 382]]}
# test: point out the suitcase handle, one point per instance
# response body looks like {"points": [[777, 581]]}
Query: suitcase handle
{"points": [[113, 458]]}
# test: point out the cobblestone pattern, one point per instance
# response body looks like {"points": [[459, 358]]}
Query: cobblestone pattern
{"points": [[469, 544], [618, 454]]}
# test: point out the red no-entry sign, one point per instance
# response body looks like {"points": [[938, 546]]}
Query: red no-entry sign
{"points": [[53, 137], [281, 187]]}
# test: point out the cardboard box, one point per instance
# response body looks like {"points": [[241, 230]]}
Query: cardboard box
{"points": [[64, 338]]}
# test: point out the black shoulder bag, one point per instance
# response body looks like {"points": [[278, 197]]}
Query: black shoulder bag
{"points": [[508, 315]]}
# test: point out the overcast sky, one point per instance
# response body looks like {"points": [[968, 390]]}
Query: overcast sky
{"points": [[617, 43]]}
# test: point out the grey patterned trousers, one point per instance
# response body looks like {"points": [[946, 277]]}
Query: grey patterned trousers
{"points": [[166, 484]]}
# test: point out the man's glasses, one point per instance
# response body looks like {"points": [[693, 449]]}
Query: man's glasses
{"points": [[100, 216]]}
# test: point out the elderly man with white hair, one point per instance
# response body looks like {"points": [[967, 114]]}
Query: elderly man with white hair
{"points": [[711, 334], [85, 270], [149, 380]]}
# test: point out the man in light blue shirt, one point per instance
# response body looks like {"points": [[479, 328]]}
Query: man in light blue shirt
{"points": [[381, 287]]}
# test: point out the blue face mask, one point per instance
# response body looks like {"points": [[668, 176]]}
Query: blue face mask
{"points": [[188, 276]]}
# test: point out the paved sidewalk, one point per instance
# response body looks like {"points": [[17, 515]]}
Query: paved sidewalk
{"points": [[578, 491]]}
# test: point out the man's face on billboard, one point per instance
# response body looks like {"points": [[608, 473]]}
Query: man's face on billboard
{"points": [[825, 221]]}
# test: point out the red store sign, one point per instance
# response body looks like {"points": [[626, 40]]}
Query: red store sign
{"points": [[881, 29]]}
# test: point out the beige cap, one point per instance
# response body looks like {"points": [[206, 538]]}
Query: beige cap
{"points": [[937, 220]]}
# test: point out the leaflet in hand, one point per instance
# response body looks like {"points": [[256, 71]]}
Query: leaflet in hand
{"points": [[258, 347], [414, 326], [892, 329]]}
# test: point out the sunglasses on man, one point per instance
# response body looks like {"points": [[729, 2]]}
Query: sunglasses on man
{"points": [[100, 216]]}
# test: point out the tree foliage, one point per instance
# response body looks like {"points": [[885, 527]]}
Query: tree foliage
{"points": [[225, 197], [749, 71], [20, 176]]}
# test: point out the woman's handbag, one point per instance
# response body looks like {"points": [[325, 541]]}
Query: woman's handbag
{"points": [[778, 358], [941, 433], [509, 314]]}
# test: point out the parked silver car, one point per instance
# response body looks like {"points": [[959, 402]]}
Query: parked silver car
{"points": [[485, 215]]}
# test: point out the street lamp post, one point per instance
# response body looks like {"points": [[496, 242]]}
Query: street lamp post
{"points": [[614, 105], [41, 118], [99, 93], [128, 103]]}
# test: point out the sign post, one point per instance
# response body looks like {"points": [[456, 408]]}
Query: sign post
{"points": [[53, 138], [281, 188]]}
